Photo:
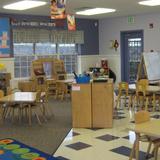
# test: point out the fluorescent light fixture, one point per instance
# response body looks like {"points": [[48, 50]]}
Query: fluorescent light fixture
{"points": [[150, 2], [25, 4], [94, 11]]}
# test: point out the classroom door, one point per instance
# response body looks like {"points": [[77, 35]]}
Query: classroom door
{"points": [[131, 50]]}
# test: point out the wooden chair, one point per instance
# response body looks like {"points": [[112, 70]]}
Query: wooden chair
{"points": [[61, 90], [142, 117], [123, 92], [142, 97], [44, 102], [51, 87], [34, 107], [1, 107], [10, 108]]}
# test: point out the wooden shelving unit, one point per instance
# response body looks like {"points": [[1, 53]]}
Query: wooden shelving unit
{"points": [[50, 67], [102, 105], [81, 106], [92, 105], [5, 81]]}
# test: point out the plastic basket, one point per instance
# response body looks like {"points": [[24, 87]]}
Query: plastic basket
{"points": [[83, 79]]}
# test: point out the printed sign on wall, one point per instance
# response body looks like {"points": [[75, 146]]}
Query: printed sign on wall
{"points": [[71, 22], [58, 10], [5, 50]]}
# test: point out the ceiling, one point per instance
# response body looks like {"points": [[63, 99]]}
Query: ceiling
{"points": [[123, 7]]}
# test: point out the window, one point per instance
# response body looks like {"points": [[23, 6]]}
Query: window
{"points": [[25, 53], [67, 48], [45, 48], [23, 48], [68, 54], [70, 62]]}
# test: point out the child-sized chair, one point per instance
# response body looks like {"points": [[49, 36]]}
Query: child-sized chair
{"points": [[142, 96], [142, 117], [123, 92]]}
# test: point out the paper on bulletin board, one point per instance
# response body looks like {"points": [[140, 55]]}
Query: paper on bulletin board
{"points": [[76, 88], [71, 22], [5, 38]]}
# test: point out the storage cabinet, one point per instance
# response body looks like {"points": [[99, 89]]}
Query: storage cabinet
{"points": [[81, 106], [5, 81], [102, 105], [92, 105]]}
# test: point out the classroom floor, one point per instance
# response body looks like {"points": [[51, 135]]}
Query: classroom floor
{"points": [[102, 144]]}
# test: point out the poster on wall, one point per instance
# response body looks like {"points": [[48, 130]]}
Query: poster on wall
{"points": [[71, 22], [58, 9], [5, 50]]}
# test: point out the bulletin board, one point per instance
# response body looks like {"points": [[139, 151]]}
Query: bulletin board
{"points": [[5, 41]]}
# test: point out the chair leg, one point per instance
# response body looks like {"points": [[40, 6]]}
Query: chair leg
{"points": [[132, 151], [30, 114], [37, 118], [5, 110], [44, 117], [129, 102], [1, 115], [12, 114], [155, 153], [8, 112], [148, 149], [117, 101], [146, 104]]}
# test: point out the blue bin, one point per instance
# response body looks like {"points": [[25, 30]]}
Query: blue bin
{"points": [[83, 79]]}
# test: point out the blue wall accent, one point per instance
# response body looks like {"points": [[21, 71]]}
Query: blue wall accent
{"points": [[91, 36], [89, 26]]}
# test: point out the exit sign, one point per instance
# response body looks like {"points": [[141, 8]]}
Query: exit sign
{"points": [[130, 19]]}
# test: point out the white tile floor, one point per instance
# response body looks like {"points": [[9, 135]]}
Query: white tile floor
{"points": [[101, 149]]}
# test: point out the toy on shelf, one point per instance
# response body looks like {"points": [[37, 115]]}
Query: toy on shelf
{"points": [[104, 65]]}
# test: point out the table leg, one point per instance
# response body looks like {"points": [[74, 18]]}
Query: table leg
{"points": [[132, 151], [137, 146]]}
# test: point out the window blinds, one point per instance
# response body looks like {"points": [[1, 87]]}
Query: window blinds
{"points": [[42, 35]]}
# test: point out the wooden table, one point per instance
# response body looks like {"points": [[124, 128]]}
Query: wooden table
{"points": [[150, 89], [20, 98], [150, 128], [68, 81]]}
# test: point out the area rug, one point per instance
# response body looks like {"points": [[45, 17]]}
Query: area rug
{"points": [[11, 149]]}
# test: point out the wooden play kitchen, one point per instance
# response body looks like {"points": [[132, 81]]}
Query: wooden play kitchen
{"points": [[42, 70], [92, 105]]}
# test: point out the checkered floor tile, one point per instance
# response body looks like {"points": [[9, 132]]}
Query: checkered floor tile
{"points": [[100, 144], [78, 146]]}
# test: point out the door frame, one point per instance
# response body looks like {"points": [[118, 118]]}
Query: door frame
{"points": [[124, 58]]}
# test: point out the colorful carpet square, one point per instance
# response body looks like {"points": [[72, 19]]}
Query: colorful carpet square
{"points": [[11, 149]]}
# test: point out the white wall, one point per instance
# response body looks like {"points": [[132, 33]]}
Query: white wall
{"points": [[84, 62], [9, 65], [109, 29]]}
